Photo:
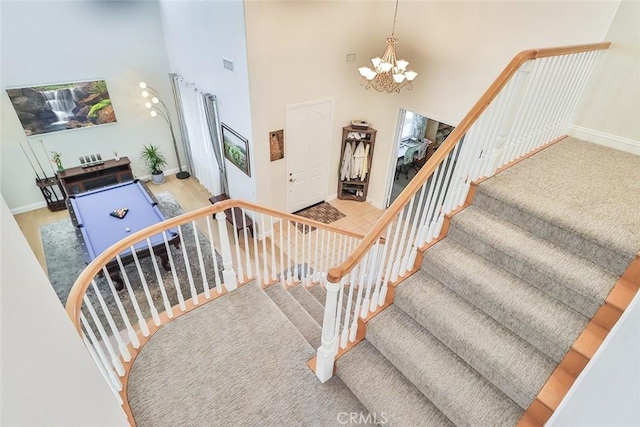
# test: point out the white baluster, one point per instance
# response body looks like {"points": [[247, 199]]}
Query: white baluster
{"points": [[132, 297], [133, 338], [147, 293], [236, 244], [380, 293], [308, 276], [115, 361], [115, 381], [283, 276], [274, 273], [256, 254], [360, 285], [214, 254], [371, 274], [289, 263], [401, 247], [247, 252], [265, 262], [115, 388], [187, 267], [122, 347], [412, 248], [295, 254], [344, 338], [203, 270], [174, 273], [229, 275], [163, 292]]}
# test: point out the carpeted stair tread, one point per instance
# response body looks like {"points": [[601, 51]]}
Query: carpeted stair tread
{"points": [[565, 276], [545, 229], [458, 391], [384, 391], [308, 302], [578, 187], [296, 314], [319, 293], [547, 324], [514, 366]]}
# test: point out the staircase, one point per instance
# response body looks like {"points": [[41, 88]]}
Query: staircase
{"points": [[473, 336]]}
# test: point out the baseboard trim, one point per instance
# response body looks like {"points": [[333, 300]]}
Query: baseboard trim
{"points": [[606, 139], [27, 208]]}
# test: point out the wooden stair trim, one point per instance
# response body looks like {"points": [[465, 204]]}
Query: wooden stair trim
{"points": [[584, 348]]}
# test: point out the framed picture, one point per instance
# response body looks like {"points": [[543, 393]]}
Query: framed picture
{"points": [[276, 144], [236, 148], [64, 106]]}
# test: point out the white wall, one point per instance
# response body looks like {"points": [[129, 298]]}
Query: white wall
{"points": [[607, 393], [297, 53], [48, 377], [611, 104], [60, 41], [198, 36]]}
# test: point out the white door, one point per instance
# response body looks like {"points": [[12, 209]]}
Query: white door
{"points": [[307, 136]]}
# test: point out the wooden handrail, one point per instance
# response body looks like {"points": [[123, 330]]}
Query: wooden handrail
{"points": [[336, 273], [74, 300]]}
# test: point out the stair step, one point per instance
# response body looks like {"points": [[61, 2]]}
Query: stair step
{"points": [[571, 279], [459, 392], [546, 323], [489, 199], [514, 366], [384, 391], [296, 314], [308, 302], [319, 293]]}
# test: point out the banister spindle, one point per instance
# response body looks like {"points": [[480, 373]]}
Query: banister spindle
{"points": [[228, 274]]}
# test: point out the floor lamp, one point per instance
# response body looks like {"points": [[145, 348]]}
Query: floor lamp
{"points": [[153, 103]]}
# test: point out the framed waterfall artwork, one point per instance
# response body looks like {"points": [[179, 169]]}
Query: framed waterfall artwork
{"points": [[236, 148], [63, 106]]}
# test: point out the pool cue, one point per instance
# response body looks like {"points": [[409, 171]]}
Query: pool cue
{"points": [[29, 160], [37, 161], [46, 157]]}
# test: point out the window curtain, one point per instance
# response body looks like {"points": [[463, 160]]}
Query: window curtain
{"points": [[199, 123]]}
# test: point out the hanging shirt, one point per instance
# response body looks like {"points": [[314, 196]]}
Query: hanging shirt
{"points": [[365, 164], [347, 161], [359, 158]]}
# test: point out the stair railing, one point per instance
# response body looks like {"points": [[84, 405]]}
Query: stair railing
{"points": [[210, 256], [529, 105]]}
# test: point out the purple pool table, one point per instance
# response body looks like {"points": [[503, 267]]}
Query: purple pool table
{"points": [[97, 230]]}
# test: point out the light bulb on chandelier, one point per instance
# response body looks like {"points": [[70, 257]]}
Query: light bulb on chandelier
{"points": [[389, 74]]}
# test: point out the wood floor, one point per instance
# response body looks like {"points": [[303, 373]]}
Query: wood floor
{"points": [[359, 218]]}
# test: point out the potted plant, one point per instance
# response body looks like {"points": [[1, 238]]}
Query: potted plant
{"points": [[155, 161], [57, 159]]}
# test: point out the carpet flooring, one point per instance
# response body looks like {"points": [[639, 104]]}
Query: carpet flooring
{"points": [[321, 212], [65, 261], [235, 361]]}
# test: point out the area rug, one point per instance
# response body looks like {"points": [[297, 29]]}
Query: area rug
{"points": [[321, 212], [65, 262]]}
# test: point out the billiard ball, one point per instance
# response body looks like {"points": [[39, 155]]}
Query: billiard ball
{"points": [[127, 229]]}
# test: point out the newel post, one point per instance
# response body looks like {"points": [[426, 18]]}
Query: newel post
{"points": [[228, 273], [327, 351]]}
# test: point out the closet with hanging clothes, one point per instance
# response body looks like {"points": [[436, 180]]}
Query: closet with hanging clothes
{"points": [[355, 162]]}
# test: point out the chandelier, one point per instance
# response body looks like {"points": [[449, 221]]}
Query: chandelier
{"points": [[389, 74]]}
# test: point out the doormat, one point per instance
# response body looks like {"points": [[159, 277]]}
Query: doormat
{"points": [[321, 212]]}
